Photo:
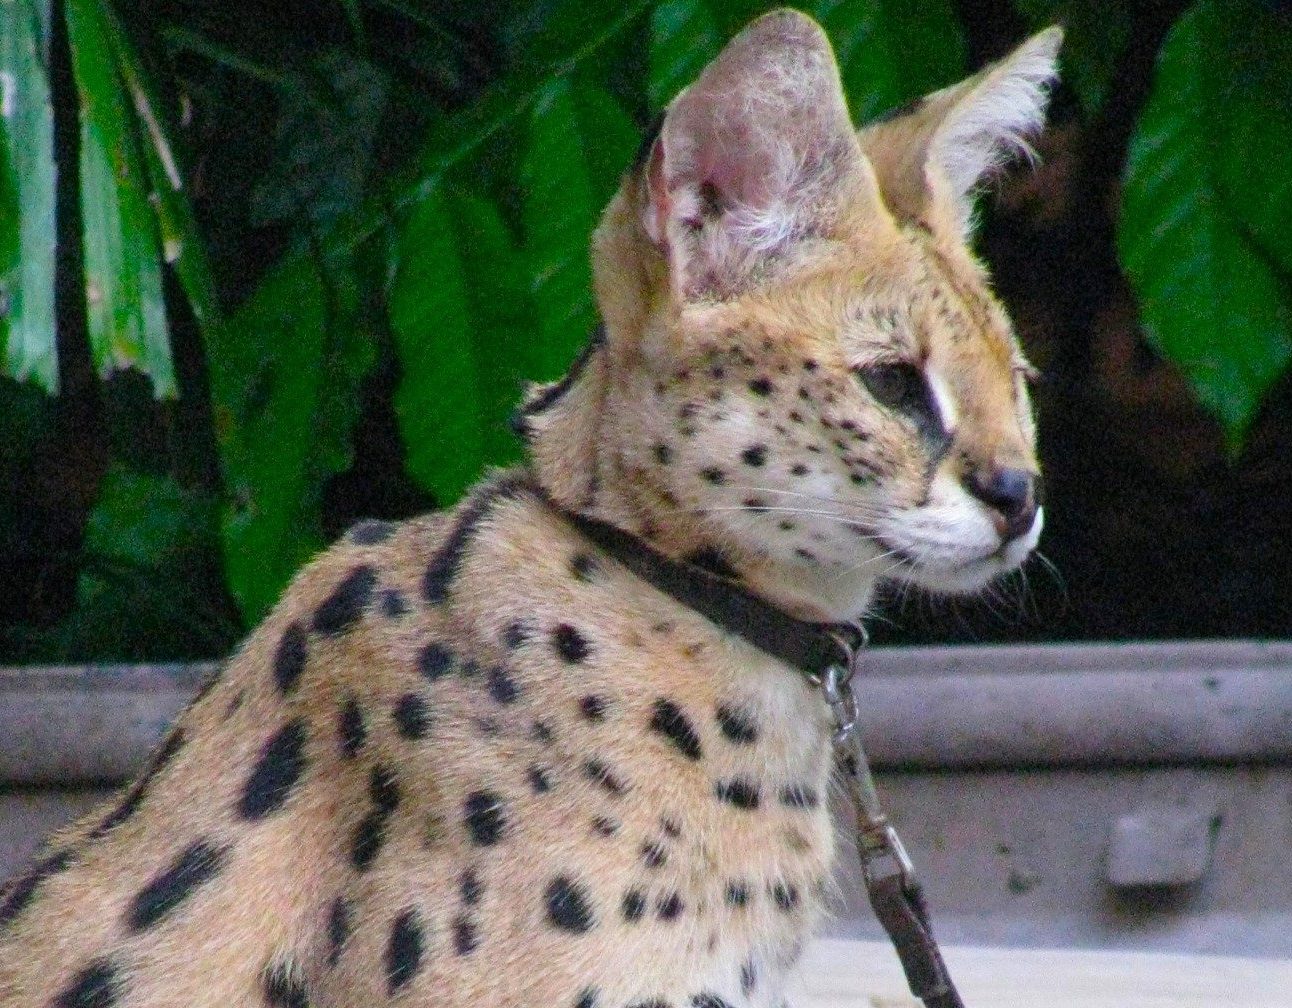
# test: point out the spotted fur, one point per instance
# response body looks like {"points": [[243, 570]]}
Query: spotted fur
{"points": [[469, 759]]}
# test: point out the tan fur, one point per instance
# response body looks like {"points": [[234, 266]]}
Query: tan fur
{"points": [[722, 415]]}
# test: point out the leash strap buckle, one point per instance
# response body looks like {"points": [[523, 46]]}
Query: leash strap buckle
{"points": [[895, 895]]}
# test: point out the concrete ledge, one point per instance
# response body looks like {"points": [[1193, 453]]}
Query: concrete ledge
{"points": [[1078, 705], [923, 708], [87, 724]]}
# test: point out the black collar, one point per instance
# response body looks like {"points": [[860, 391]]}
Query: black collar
{"points": [[809, 647]]}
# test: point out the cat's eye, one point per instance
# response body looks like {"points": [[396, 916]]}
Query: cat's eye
{"points": [[897, 386]]}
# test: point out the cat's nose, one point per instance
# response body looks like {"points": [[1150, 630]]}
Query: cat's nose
{"points": [[1013, 494]]}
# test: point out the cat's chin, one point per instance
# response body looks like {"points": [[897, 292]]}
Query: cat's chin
{"points": [[971, 576]]}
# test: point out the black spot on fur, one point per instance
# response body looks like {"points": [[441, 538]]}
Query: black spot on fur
{"points": [[538, 780], [383, 789], [663, 454], [403, 951], [277, 772], [434, 661], [653, 855], [786, 896], [587, 998], [711, 559], [740, 793], [670, 828], [197, 864], [289, 659], [567, 905], [412, 716], [345, 606], [94, 986], [502, 687], [670, 722], [443, 568], [736, 726], [583, 567], [369, 836], [283, 988], [485, 817], [634, 905], [471, 887], [465, 938], [593, 707], [761, 386], [571, 645], [338, 929], [393, 603], [134, 797], [542, 732], [600, 774], [553, 393], [605, 826], [799, 796], [669, 907], [714, 475], [515, 634], [20, 892], [799, 469], [651, 1003], [370, 531], [748, 977], [707, 1000], [754, 455], [736, 894], [351, 728]]}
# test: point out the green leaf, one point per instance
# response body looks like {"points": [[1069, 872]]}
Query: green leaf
{"points": [[27, 194], [125, 310], [1210, 298], [1254, 124], [684, 37], [146, 587], [181, 240], [501, 313], [285, 371], [458, 309], [1096, 34], [328, 120], [146, 520], [891, 51], [354, 16], [439, 402], [578, 144]]}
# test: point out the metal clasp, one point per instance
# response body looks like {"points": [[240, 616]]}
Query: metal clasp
{"points": [[836, 686], [877, 840]]}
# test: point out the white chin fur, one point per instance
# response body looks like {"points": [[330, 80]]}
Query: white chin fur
{"points": [[963, 568]]}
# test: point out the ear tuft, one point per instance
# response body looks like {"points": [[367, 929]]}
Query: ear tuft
{"points": [[992, 122], [930, 160]]}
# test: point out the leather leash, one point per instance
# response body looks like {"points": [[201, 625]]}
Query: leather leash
{"points": [[828, 655]]}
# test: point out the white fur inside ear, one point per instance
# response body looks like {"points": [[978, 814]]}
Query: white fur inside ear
{"points": [[992, 121]]}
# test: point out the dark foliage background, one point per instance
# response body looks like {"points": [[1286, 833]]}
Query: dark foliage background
{"points": [[342, 234]]}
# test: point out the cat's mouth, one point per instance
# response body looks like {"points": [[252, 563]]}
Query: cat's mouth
{"points": [[955, 569]]}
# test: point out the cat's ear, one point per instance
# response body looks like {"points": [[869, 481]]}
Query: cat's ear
{"points": [[930, 160], [754, 159]]}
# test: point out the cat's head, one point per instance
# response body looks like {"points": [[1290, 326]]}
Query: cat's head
{"points": [[804, 369]]}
